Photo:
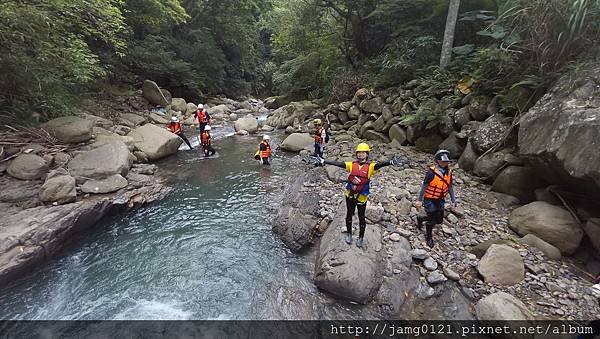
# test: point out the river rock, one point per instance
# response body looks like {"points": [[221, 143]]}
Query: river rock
{"points": [[168, 96], [377, 136], [296, 219], [157, 119], [419, 254], [153, 94], [436, 277], [560, 134], [59, 188], [296, 142], [285, 116], [345, 270], [430, 264], [592, 229], [502, 306], [480, 249], [549, 251], [468, 158], [488, 166], [428, 143], [550, 223], [156, 142], [502, 265], [462, 117], [354, 113], [70, 129], [179, 105], [102, 140], [102, 186], [374, 212], [518, 181], [374, 105], [478, 108], [248, 123], [454, 145], [102, 162], [135, 119], [27, 167], [490, 132], [397, 133]]}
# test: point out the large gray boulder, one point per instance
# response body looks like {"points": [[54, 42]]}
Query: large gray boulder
{"points": [[285, 116], [374, 105], [59, 188], [347, 271], [134, 119], [155, 141], [488, 166], [179, 105], [27, 167], [518, 181], [296, 142], [102, 162], [592, 229], [249, 123], [454, 145], [502, 306], [353, 113], [298, 216], [397, 133], [550, 223], [152, 93], [468, 158], [218, 111], [70, 129], [502, 265], [560, 135], [102, 186], [490, 132], [478, 108]]}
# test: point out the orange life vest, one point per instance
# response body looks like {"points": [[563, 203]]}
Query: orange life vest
{"points": [[205, 139], [202, 118], [439, 185], [266, 153], [359, 176], [318, 138], [174, 127]]}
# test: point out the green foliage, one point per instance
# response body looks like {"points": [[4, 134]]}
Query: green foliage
{"points": [[429, 114], [149, 16]]}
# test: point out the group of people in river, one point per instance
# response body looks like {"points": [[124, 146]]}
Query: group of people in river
{"points": [[436, 187]]}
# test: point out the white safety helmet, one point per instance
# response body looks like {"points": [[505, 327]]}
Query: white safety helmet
{"points": [[207, 128], [174, 119], [200, 106], [266, 137]]}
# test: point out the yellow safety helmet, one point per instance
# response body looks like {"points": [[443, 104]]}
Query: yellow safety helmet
{"points": [[363, 147], [317, 121]]}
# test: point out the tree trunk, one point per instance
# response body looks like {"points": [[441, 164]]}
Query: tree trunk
{"points": [[449, 33]]}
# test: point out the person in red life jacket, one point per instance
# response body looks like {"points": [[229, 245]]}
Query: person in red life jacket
{"points": [[206, 141], [320, 136], [357, 187], [436, 187], [264, 151], [201, 118], [175, 127]]}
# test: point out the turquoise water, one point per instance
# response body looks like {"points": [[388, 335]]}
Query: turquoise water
{"points": [[204, 252]]}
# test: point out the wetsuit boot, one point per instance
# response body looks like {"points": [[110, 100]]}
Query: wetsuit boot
{"points": [[420, 220], [428, 234], [348, 232]]}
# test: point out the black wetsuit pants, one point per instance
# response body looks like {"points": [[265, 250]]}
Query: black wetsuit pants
{"points": [[182, 136], [265, 161], [352, 204]]}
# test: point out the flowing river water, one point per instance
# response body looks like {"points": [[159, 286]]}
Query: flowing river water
{"points": [[206, 251]]}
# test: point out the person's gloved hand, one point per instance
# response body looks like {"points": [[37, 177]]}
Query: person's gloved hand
{"points": [[319, 161]]}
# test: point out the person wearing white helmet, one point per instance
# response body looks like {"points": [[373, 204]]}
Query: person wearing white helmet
{"points": [[201, 118], [206, 141], [437, 185], [264, 151], [175, 127]]}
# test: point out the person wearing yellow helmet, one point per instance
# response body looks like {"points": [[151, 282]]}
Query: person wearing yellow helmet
{"points": [[357, 187], [320, 136]]}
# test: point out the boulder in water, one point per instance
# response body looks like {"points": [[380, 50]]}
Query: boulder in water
{"points": [[179, 105], [296, 142], [156, 142], [249, 123]]}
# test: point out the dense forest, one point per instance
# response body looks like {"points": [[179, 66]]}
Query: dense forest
{"points": [[55, 52]]}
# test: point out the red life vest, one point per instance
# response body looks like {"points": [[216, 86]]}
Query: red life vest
{"points": [[359, 176], [174, 127], [318, 138], [439, 186], [205, 139], [266, 153], [202, 117]]}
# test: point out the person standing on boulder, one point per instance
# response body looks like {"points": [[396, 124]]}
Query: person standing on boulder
{"points": [[201, 118], [436, 187], [206, 141], [175, 127], [357, 187], [320, 136]]}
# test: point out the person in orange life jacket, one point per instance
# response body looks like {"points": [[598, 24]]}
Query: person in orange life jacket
{"points": [[436, 186], [320, 136], [357, 188], [264, 150], [206, 141], [175, 127], [201, 118]]}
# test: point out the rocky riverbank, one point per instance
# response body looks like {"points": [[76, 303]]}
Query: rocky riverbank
{"points": [[476, 260]]}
